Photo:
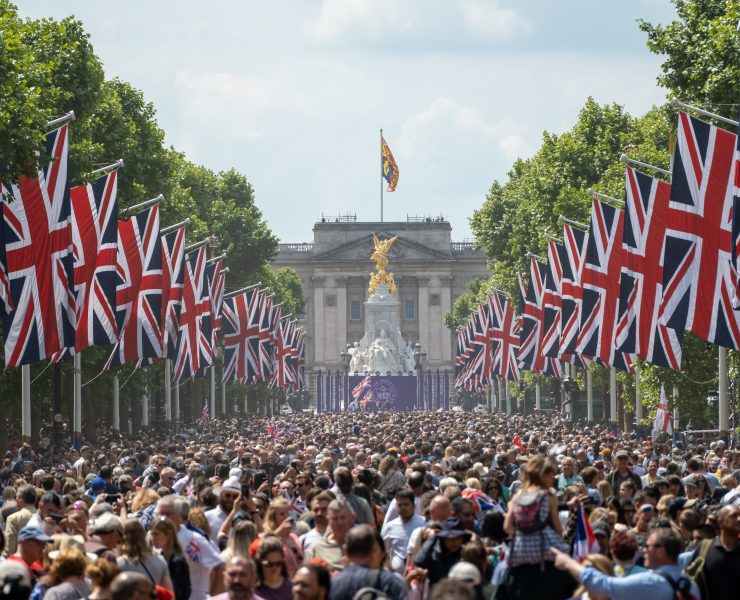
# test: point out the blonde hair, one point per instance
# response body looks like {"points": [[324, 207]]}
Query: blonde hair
{"points": [[473, 483], [133, 544], [269, 524], [197, 517], [70, 562], [144, 498], [245, 532], [167, 527], [600, 563], [535, 469], [102, 572]]}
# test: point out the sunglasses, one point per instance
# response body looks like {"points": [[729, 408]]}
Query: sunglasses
{"points": [[269, 564]]}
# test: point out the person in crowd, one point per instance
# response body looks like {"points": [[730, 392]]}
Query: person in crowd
{"points": [[280, 522], [311, 582], [25, 500], [397, 532], [131, 586], [243, 534], [319, 506], [623, 549], [658, 583], [101, 573], [228, 493], [329, 548], [623, 473], [240, 579], [134, 554], [66, 577], [30, 551], [720, 575], [363, 552], [163, 536], [442, 550], [272, 572]]}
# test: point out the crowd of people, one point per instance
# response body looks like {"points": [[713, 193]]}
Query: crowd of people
{"points": [[385, 505]]}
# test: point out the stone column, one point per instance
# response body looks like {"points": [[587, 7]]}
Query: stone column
{"points": [[448, 339], [318, 318], [341, 290], [422, 313]]}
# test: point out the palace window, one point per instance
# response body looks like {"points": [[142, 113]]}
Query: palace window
{"points": [[409, 309], [355, 310]]}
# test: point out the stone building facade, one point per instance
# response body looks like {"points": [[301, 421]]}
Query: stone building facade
{"points": [[430, 270]]}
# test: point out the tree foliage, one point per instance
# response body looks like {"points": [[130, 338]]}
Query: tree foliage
{"points": [[701, 48], [49, 67]]}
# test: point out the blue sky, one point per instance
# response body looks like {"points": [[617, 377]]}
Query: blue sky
{"points": [[292, 93]]}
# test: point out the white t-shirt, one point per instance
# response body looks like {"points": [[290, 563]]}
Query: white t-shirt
{"points": [[396, 534], [202, 556], [216, 517]]}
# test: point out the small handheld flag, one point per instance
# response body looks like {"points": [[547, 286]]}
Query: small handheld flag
{"points": [[585, 541], [389, 166]]}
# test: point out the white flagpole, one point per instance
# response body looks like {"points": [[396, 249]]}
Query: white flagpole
{"points": [[589, 396], [145, 409], [638, 398], [724, 413], [26, 402], [168, 392], [176, 412], [77, 398], [213, 390], [116, 405], [537, 397], [675, 408], [613, 394]]}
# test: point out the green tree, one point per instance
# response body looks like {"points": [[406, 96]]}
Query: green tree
{"points": [[701, 50]]}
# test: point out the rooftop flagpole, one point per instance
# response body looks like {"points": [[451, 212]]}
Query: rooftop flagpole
{"points": [[381, 174]]}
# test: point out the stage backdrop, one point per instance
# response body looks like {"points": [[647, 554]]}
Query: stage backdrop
{"points": [[431, 391]]}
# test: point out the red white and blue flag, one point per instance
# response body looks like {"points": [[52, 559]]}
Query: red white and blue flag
{"points": [[699, 278], [139, 290], [641, 282], [205, 420], [662, 416], [551, 301], [266, 343], [38, 279], [504, 329], [574, 242], [241, 322], [364, 386], [194, 350], [173, 274], [481, 501], [95, 244], [585, 541]]}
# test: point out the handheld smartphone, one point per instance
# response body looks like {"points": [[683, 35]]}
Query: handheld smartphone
{"points": [[245, 490], [57, 518], [112, 497]]}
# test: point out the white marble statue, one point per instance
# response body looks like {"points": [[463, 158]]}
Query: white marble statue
{"points": [[382, 355]]}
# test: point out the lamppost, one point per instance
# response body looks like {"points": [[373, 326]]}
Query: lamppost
{"points": [[419, 358], [346, 357]]}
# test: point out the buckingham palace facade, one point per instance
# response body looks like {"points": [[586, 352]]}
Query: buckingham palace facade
{"points": [[430, 271]]}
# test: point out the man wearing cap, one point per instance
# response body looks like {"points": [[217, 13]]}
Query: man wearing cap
{"points": [[622, 472], [440, 552], [31, 544], [227, 495], [25, 498], [107, 532]]}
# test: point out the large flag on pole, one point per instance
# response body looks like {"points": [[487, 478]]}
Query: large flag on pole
{"points": [[38, 263], [699, 279], [388, 165], [574, 241], [173, 272], [663, 422], [241, 328], [95, 244], [641, 281], [139, 291]]}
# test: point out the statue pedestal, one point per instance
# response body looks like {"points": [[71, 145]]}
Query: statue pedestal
{"points": [[382, 349]]}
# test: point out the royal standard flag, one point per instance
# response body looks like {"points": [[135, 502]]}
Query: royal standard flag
{"points": [[390, 168]]}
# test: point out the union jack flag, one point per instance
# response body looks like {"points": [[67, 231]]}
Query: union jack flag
{"points": [[478, 364], [173, 273], [139, 290], [300, 360], [194, 350], [574, 242], [366, 384], [529, 357], [641, 281], [205, 420], [551, 300], [735, 222], [268, 315], [467, 353], [698, 275], [241, 336], [366, 399], [282, 376], [216, 278], [95, 244], [600, 286], [38, 278], [504, 329]]}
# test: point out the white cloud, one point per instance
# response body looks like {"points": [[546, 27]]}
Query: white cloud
{"points": [[488, 18]]}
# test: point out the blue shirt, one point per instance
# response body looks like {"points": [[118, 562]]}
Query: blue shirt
{"points": [[648, 585]]}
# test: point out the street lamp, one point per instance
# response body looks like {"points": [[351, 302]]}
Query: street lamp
{"points": [[346, 358], [419, 357]]}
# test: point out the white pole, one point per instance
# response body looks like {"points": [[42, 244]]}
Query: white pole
{"points": [[223, 395], [675, 408], [77, 401], [116, 405], [537, 399], [144, 410], [613, 394], [213, 391], [589, 396], [176, 411], [638, 398], [167, 392], [724, 412], [500, 397], [508, 399], [26, 402]]}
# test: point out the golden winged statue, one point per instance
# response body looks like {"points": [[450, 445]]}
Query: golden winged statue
{"points": [[380, 257]]}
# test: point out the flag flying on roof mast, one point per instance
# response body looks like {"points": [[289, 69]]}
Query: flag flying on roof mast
{"points": [[390, 168]]}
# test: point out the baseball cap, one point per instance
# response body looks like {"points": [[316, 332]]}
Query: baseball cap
{"points": [[465, 571], [108, 523], [97, 484], [622, 454], [33, 533]]}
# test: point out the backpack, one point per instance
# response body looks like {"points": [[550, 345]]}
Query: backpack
{"points": [[370, 591], [527, 512], [695, 569], [681, 587]]}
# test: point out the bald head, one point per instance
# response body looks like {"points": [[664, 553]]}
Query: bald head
{"points": [[130, 585], [439, 508]]}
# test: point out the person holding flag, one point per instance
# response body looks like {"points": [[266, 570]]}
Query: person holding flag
{"points": [[662, 416]]}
